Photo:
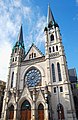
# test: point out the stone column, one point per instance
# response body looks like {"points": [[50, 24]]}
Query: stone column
{"points": [[5, 113], [46, 103], [3, 108], [46, 112], [4, 103], [18, 114], [33, 109], [15, 114]]}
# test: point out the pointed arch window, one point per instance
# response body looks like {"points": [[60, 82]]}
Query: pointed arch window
{"points": [[53, 73], [26, 105], [52, 37], [13, 60], [53, 49], [49, 49], [29, 56], [61, 89], [12, 78], [32, 55], [15, 50], [56, 48], [59, 72]]}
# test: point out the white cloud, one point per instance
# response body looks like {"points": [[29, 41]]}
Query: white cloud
{"points": [[36, 34], [40, 29], [5, 51], [12, 14]]}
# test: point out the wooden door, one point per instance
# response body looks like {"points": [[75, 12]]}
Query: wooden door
{"points": [[26, 115], [41, 115], [11, 115], [40, 112], [26, 110], [11, 112], [23, 115]]}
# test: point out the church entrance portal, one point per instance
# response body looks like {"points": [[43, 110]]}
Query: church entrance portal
{"points": [[26, 111], [11, 112], [40, 112]]}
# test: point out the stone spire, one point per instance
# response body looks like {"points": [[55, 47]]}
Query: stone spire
{"points": [[20, 42], [50, 17], [20, 37]]}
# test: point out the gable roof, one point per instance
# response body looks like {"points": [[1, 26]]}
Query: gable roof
{"points": [[38, 52]]}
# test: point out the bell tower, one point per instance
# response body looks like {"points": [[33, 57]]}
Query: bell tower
{"points": [[12, 87], [53, 36], [18, 54], [54, 50], [57, 71]]}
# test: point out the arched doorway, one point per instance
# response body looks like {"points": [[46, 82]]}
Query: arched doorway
{"points": [[40, 112], [60, 111], [26, 110], [11, 112]]}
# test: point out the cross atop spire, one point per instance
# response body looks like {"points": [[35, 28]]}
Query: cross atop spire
{"points": [[50, 17]]}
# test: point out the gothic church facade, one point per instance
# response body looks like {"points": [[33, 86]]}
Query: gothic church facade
{"points": [[38, 86]]}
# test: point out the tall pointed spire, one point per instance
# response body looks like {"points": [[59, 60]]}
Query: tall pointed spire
{"points": [[20, 42], [50, 17], [20, 37]]}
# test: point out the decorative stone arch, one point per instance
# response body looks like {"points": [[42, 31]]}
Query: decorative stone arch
{"points": [[22, 100], [14, 104], [37, 67], [42, 102], [25, 114]]}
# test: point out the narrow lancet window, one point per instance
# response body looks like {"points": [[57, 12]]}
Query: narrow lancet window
{"points": [[59, 72], [12, 78], [53, 49], [49, 49], [56, 48], [53, 73], [52, 37]]}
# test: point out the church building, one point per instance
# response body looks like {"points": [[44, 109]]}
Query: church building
{"points": [[38, 86]]}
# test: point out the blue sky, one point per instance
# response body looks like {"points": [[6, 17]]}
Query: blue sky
{"points": [[32, 15]]}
